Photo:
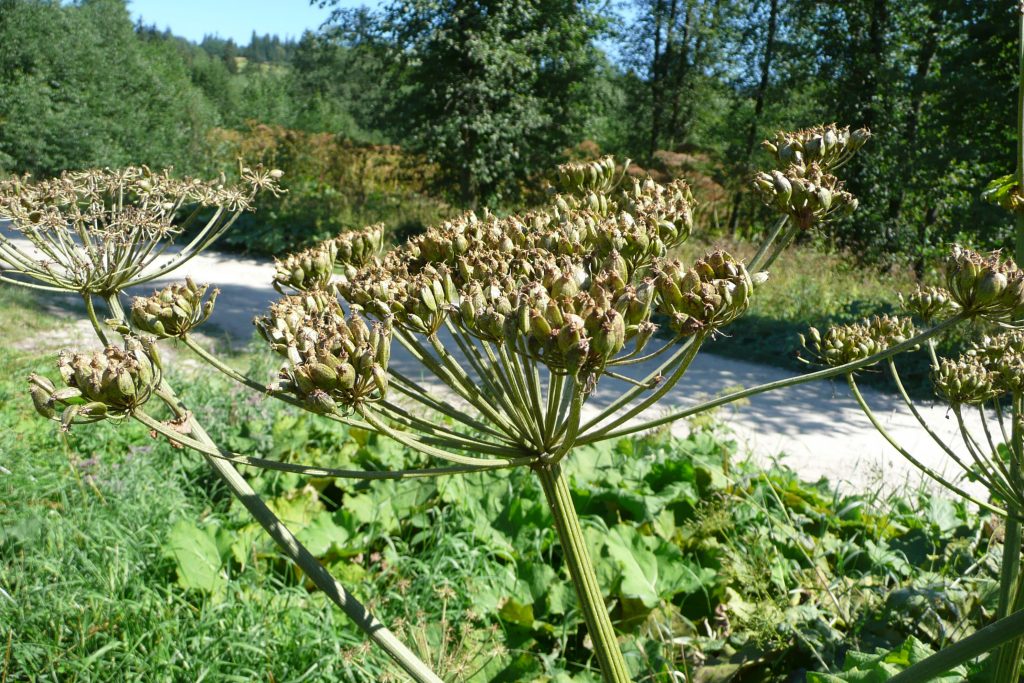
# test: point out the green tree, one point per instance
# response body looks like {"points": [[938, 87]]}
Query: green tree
{"points": [[78, 88], [492, 91]]}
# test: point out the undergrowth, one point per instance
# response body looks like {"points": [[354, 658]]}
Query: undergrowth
{"points": [[121, 558]]}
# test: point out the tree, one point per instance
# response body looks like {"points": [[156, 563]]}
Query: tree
{"points": [[490, 90], [78, 88]]}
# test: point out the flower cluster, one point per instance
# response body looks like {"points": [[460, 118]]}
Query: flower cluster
{"points": [[108, 383], [842, 344], [97, 231], [173, 311], [828, 146], [987, 286]]}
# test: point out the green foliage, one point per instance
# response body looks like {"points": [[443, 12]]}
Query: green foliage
{"points": [[490, 91], [151, 568], [869, 668], [332, 185], [79, 90]]}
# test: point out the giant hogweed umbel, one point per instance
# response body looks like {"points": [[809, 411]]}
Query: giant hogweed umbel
{"points": [[515, 319]]}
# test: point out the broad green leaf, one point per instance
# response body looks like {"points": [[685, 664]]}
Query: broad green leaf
{"points": [[322, 534], [638, 565], [196, 557]]}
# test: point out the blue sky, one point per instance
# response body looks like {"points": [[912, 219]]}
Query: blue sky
{"points": [[235, 19]]}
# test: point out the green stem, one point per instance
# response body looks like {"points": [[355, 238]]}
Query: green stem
{"points": [[312, 568], [755, 262], [975, 645], [826, 373], [309, 470], [906, 454], [90, 310], [581, 570], [1019, 243], [1011, 595]]}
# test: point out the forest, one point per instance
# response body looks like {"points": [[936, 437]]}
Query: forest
{"points": [[381, 110]]}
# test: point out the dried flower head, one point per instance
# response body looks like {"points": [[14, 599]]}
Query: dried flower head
{"points": [[987, 286], [98, 231], [842, 344], [173, 311], [110, 383], [1003, 356], [828, 146]]}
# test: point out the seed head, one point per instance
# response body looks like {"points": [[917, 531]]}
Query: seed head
{"points": [[358, 248], [705, 297], [336, 364], [93, 225], [581, 178], [965, 381], [806, 194], [842, 344], [110, 383], [986, 286], [310, 269], [173, 311], [929, 303], [828, 146]]}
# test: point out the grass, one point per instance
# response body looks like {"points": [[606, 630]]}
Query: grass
{"points": [[122, 559]]}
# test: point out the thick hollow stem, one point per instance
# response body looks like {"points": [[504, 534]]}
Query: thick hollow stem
{"points": [[581, 569], [1011, 595]]}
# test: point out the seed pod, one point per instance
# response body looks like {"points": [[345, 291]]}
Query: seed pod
{"points": [[308, 270], [109, 383], [173, 311], [987, 286]]}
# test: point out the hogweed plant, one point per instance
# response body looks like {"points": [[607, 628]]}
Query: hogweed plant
{"points": [[515, 320]]}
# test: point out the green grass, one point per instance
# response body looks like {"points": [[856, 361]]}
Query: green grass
{"points": [[123, 559]]}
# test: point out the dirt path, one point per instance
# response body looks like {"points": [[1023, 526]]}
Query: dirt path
{"points": [[817, 426]]}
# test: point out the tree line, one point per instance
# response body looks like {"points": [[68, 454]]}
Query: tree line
{"points": [[490, 94]]}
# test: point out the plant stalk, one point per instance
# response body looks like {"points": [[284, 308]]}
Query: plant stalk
{"points": [[967, 649], [305, 560], [581, 570], [1011, 591]]}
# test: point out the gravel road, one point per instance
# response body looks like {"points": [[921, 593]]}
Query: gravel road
{"points": [[815, 428]]}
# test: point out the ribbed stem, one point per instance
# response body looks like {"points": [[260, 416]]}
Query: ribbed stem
{"points": [[1011, 590], [312, 568], [581, 570]]}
